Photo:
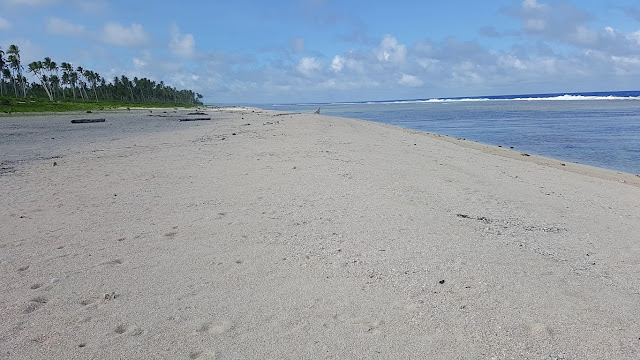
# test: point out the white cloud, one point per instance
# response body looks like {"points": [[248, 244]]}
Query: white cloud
{"points": [[510, 61], [308, 65], [410, 80], [138, 63], [389, 50], [61, 26], [182, 45], [338, 63], [532, 4], [132, 36], [4, 24]]}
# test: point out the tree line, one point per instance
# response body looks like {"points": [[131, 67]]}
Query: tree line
{"points": [[66, 82]]}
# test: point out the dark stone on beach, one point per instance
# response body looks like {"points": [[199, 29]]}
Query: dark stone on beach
{"points": [[87, 121], [55, 163], [195, 119], [441, 281]]}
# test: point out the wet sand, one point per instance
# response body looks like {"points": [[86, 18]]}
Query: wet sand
{"points": [[259, 234]]}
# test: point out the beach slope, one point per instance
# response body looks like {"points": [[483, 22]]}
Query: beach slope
{"points": [[266, 235]]}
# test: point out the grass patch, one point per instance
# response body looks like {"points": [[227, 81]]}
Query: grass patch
{"points": [[12, 105]]}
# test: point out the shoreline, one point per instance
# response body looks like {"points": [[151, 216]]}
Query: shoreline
{"points": [[264, 234], [575, 167]]}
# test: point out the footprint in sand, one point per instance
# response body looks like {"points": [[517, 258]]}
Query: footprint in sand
{"points": [[121, 329], [35, 304], [202, 355], [114, 262], [129, 330], [217, 327]]}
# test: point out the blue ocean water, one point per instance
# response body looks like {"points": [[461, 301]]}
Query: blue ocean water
{"points": [[600, 129]]}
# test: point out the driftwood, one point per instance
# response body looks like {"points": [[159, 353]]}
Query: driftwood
{"points": [[196, 113], [195, 119], [86, 121]]}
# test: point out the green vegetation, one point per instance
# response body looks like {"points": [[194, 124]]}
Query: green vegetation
{"points": [[78, 89], [9, 105]]}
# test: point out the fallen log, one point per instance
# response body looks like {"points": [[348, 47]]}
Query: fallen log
{"points": [[86, 121], [195, 119]]}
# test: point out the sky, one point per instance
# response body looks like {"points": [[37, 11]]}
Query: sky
{"points": [[293, 51]]}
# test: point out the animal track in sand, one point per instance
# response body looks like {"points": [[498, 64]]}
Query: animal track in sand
{"points": [[86, 302], [35, 304]]}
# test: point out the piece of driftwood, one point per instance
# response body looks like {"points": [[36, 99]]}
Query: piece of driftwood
{"points": [[87, 121], [196, 119], [196, 113]]}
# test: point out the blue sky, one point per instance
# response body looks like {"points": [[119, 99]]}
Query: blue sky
{"points": [[250, 51]]}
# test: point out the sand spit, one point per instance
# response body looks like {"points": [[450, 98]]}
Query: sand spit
{"points": [[266, 235]]}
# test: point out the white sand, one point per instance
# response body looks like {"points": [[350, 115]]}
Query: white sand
{"points": [[305, 236]]}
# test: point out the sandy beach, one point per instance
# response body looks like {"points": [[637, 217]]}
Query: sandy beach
{"points": [[267, 235]]}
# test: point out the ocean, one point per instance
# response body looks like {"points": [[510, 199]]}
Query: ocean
{"points": [[599, 128]]}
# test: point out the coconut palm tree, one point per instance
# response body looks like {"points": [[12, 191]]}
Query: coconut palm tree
{"points": [[36, 68], [54, 80], [67, 69], [14, 60], [92, 78], [50, 67], [2, 65]]}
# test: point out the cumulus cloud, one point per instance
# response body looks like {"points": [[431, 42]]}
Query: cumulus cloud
{"points": [[182, 45], [337, 64], [390, 51], [308, 66], [410, 80], [61, 26], [564, 23], [131, 36], [4, 24]]}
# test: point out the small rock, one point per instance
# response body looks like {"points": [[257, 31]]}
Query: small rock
{"points": [[55, 280], [441, 281], [55, 163]]}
